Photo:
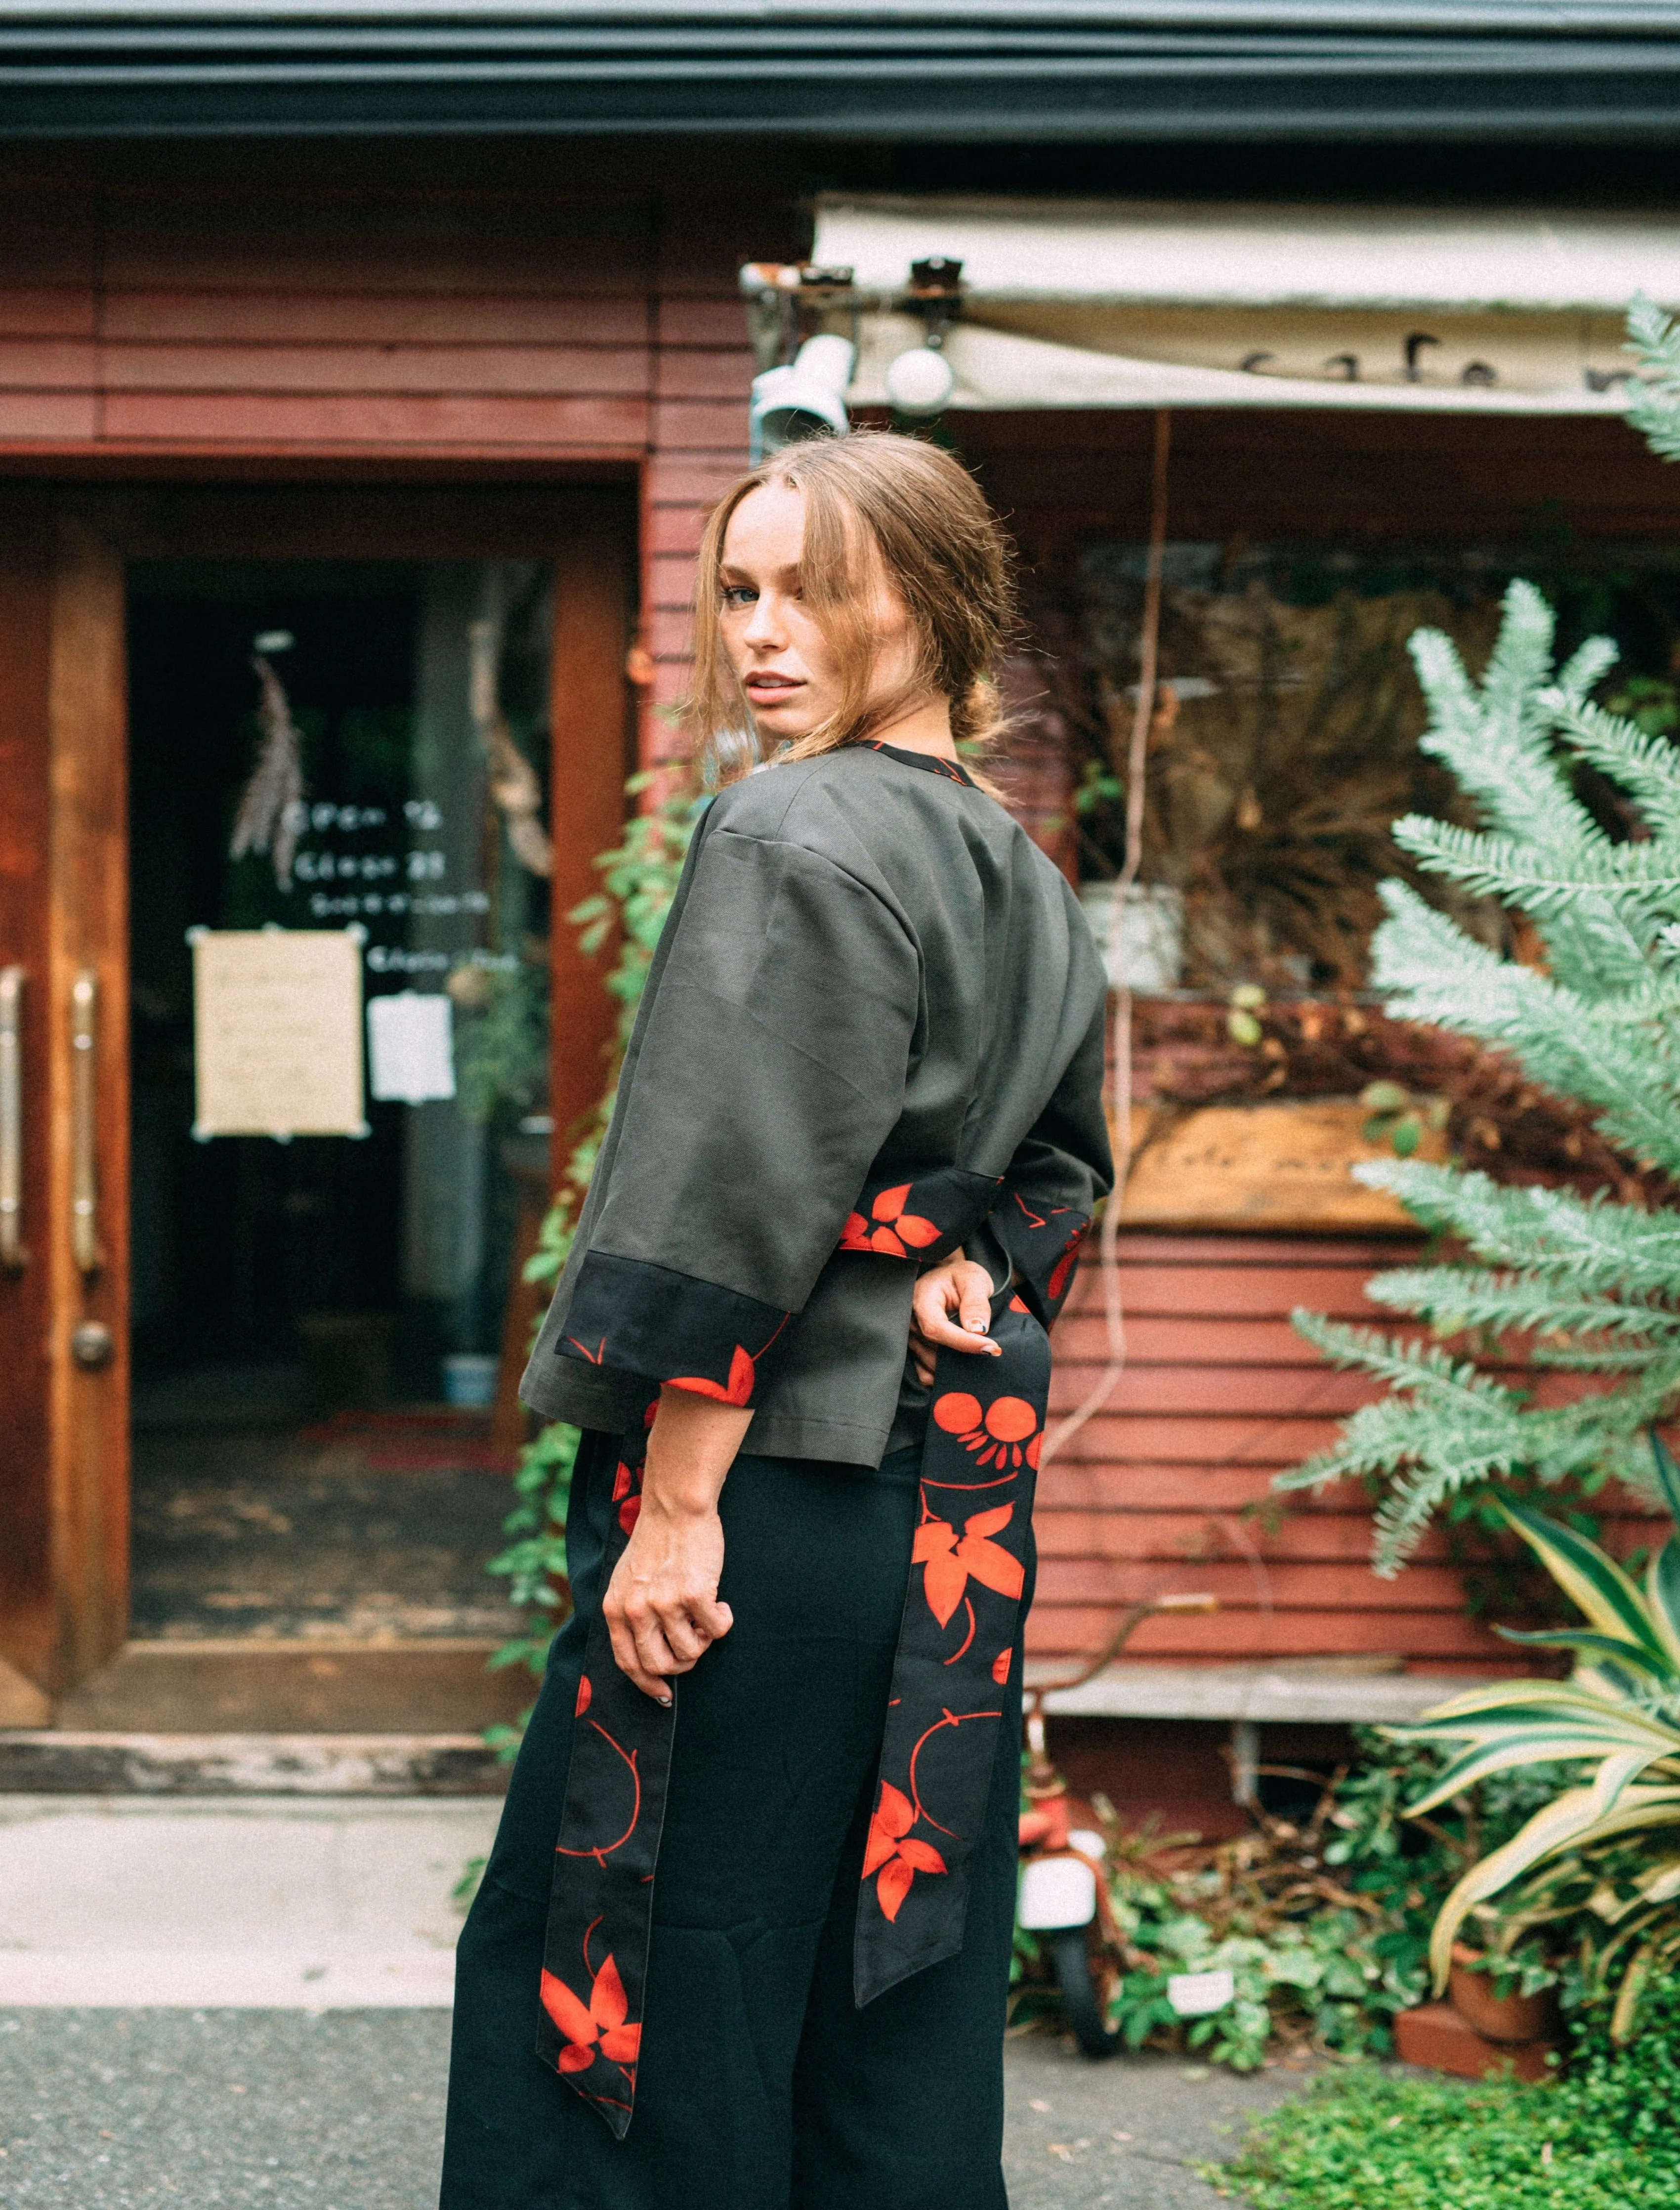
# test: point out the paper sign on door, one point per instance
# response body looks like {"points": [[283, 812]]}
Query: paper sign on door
{"points": [[411, 1047], [277, 1032]]}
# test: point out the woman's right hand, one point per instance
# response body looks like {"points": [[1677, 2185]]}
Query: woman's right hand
{"points": [[951, 1310], [662, 1605]]}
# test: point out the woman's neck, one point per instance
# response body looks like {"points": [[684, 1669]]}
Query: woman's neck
{"points": [[923, 728]]}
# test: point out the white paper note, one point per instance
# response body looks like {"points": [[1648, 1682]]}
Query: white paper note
{"points": [[277, 1043], [411, 1047]]}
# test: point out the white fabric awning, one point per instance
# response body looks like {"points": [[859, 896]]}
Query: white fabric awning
{"points": [[1136, 305]]}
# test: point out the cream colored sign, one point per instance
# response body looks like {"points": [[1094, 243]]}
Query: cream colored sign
{"points": [[277, 1032], [1285, 1167]]}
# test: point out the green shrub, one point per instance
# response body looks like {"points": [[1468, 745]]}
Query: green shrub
{"points": [[1606, 2136], [1322, 1919]]}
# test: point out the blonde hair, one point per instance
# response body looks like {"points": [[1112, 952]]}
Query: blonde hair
{"points": [[873, 497]]}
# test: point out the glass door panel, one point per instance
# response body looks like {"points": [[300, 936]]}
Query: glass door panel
{"points": [[318, 1322]]}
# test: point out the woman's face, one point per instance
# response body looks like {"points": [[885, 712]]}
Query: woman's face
{"points": [[790, 673]]}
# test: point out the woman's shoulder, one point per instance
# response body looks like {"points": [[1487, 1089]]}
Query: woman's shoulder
{"points": [[914, 837], [859, 795]]}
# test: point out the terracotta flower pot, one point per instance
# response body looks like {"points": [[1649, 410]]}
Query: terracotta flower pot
{"points": [[1511, 2019]]}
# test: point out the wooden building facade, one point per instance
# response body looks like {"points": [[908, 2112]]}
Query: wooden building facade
{"points": [[223, 344]]}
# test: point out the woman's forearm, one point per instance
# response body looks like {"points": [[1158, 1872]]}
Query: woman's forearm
{"points": [[661, 1606], [693, 1445]]}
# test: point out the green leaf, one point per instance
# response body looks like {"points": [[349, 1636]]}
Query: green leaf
{"points": [[1571, 1821], [1383, 1097], [1604, 1646], [1662, 1595], [1594, 1583], [1668, 1475], [1405, 1135]]}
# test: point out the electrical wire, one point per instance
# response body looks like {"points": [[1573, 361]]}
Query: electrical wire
{"points": [[1118, 1071]]}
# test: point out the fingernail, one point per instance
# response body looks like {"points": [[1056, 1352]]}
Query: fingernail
{"points": [[665, 1701]]}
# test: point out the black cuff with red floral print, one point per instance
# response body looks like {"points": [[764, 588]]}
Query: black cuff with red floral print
{"points": [[920, 1216], [1042, 1239], [636, 1318]]}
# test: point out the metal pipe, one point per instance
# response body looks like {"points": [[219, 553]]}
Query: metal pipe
{"points": [[13, 1255], [84, 1126]]}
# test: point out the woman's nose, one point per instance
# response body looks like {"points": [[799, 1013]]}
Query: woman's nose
{"points": [[765, 629]]}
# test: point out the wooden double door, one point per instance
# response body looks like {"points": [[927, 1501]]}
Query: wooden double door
{"points": [[98, 590]]}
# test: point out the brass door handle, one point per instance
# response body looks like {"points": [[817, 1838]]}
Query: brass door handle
{"points": [[13, 1256], [84, 1128]]}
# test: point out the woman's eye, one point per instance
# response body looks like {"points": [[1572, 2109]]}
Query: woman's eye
{"points": [[739, 595]]}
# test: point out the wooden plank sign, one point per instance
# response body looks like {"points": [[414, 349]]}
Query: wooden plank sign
{"points": [[277, 1031], [1282, 1167]]}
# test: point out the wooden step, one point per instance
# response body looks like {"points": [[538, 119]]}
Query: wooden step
{"points": [[235, 1686], [56, 1762]]}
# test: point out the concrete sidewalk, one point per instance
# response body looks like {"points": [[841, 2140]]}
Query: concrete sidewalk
{"points": [[241, 2004], [247, 1902]]}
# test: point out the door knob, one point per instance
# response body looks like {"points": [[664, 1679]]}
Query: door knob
{"points": [[93, 1345]]}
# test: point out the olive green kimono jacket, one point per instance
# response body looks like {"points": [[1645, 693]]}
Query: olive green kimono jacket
{"points": [[870, 976]]}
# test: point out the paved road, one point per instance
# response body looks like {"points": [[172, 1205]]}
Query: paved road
{"points": [[290, 2110]]}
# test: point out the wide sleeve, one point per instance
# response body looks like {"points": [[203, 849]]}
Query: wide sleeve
{"points": [[1061, 1170], [771, 1068]]}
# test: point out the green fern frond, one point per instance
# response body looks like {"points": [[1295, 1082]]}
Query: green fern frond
{"points": [[1648, 767], [1640, 878], [1457, 1298], [1599, 908], [1592, 1242], [1590, 1285], [1601, 1358], [1493, 737], [1401, 1363], [1654, 411], [1586, 667], [1448, 1426], [1432, 972]]}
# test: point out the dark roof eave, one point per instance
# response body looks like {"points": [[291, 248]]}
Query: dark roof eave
{"points": [[1066, 77]]}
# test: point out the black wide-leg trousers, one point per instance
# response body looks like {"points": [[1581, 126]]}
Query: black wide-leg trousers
{"points": [[761, 2085]]}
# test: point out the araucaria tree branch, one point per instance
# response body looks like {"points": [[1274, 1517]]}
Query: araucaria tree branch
{"points": [[1549, 1278]]}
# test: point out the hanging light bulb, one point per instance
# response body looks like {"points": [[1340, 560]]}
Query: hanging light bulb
{"points": [[921, 381]]}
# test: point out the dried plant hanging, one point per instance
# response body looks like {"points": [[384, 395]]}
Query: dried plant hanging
{"points": [[1283, 744], [271, 811], [513, 779]]}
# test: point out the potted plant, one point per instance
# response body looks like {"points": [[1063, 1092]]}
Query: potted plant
{"points": [[1492, 1996], [1618, 1713]]}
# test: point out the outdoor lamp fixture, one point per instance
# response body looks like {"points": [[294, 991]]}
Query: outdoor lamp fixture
{"points": [[799, 389], [921, 381], [805, 398]]}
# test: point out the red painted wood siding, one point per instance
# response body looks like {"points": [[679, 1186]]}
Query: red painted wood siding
{"points": [[1170, 1488], [395, 325], [702, 370]]}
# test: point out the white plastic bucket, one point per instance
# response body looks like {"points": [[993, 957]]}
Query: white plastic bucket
{"points": [[1150, 955]]}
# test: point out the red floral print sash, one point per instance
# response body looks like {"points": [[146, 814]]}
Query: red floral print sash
{"points": [[594, 1964], [955, 1645], [956, 1642]]}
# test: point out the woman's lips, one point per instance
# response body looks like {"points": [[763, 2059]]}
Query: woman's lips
{"points": [[772, 688]]}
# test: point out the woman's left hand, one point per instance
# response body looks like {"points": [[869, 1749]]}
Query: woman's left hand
{"points": [[951, 1310]]}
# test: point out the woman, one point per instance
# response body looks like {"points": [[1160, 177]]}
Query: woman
{"points": [[860, 1117]]}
